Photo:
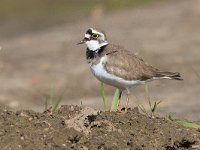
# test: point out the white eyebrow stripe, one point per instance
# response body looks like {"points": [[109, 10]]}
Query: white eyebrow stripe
{"points": [[94, 31]]}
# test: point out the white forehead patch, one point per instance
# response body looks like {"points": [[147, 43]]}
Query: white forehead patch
{"points": [[95, 31], [87, 35]]}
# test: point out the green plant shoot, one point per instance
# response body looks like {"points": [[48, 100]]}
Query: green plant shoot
{"points": [[52, 101], [188, 124], [153, 107], [115, 100], [104, 97]]}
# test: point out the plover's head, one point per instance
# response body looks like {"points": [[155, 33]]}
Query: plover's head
{"points": [[94, 39]]}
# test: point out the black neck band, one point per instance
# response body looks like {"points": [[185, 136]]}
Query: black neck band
{"points": [[90, 54]]}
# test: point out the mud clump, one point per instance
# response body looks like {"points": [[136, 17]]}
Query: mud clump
{"points": [[73, 127]]}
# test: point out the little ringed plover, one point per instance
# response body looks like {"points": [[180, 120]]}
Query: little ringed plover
{"points": [[115, 66]]}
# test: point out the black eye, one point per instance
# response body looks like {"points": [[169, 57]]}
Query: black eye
{"points": [[95, 36]]}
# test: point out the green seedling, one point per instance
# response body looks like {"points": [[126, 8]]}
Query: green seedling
{"points": [[53, 100], [188, 124], [114, 100], [153, 105], [103, 97]]}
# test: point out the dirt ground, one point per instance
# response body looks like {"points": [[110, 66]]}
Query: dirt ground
{"points": [[82, 128], [165, 34]]}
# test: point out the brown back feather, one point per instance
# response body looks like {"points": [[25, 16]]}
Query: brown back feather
{"points": [[125, 64]]}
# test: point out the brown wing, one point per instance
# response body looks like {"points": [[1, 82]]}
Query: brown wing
{"points": [[124, 64]]}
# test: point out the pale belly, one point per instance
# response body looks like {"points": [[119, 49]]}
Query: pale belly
{"points": [[101, 74]]}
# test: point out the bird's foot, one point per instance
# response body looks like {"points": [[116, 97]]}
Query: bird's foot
{"points": [[122, 111], [117, 111], [125, 109]]}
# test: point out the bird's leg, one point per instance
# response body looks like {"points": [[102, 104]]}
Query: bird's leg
{"points": [[127, 100], [118, 103]]}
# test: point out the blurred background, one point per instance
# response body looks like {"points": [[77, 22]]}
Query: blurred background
{"points": [[39, 52]]}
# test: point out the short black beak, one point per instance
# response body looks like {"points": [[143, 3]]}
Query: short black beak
{"points": [[82, 41]]}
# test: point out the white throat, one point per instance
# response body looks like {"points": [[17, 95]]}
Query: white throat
{"points": [[95, 45]]}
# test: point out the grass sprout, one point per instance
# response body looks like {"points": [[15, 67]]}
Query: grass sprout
{"points": [[114, 100], [103, 96], [188, 124], [153, 105], [53, 100]]}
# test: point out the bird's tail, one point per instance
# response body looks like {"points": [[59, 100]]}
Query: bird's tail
{"points": [[169, 75]]}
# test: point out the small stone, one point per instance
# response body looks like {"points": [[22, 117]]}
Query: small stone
{"points": [[22, 138], [71, 108]]}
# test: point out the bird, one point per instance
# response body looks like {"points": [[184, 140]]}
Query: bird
{"points": [[114, 65]]}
